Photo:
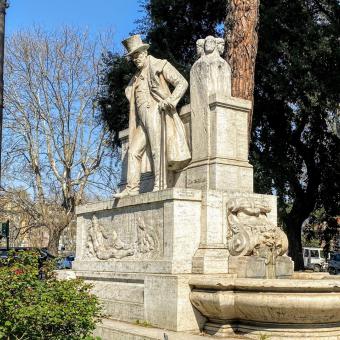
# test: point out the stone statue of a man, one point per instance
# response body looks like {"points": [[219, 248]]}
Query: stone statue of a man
{"points": [[155, 129]]}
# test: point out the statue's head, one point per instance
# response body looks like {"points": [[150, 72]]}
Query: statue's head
{"points": [[220, 45], [139, 58], [200, 47], [94, 219], [209, 44], [136, 50]]}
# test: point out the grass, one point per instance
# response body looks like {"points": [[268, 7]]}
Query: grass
{"points": [[143, 323]]}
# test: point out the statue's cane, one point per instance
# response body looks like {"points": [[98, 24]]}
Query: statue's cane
{"points": [[163, 167]]}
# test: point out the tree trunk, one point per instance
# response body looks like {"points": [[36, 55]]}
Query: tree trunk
{"points": [[53, 242], [294, 241], [293, 221], [241, 28]]}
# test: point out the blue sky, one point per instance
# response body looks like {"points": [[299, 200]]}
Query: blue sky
{"points": [[96, 16]]}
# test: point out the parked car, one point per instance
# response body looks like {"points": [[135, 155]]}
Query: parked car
{"points": [[334, 264], [314, 259], [65, 262]]}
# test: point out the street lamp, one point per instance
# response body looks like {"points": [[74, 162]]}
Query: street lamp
{"points": [[3, 6]]}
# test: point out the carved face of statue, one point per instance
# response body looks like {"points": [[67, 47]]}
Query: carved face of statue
{"points": [[139, 58], [200, 47], [220, 45], [210, 44]]}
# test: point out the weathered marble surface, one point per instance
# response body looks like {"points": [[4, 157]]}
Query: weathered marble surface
{"points": [[65, 274], [212, 256], [170, 231], [209, 75], [256, 244], [156, 232], [219, 135], [258, 267], [277, 308], [220, 147], [160, 299]]}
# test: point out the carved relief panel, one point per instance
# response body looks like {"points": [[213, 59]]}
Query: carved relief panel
{"points": [[128, 234]]}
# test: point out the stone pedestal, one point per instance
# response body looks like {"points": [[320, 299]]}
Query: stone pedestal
{"points": [[141, 268], [256, 267], [140, 252], [156, 232], [157, 300], [220, 147]]}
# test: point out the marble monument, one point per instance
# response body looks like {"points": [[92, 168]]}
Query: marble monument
{"points": [[187, 246]]}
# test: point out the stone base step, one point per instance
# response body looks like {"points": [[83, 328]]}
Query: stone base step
{"points": [[124, 311], [118, 330], [120, 291]]}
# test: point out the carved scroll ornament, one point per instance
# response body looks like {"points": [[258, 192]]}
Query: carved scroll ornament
{"points": [[251, 232]]}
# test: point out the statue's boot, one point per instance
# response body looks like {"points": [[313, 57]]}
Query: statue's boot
{"points": [[156, 186], [126, 192]]}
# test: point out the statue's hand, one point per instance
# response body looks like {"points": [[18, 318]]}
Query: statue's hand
{"points": [[166, 104]]}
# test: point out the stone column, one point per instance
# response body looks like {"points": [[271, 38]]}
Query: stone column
{"points": [[212, 254]]}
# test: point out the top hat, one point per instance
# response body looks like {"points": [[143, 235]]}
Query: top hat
{"points": [[134, 44]]}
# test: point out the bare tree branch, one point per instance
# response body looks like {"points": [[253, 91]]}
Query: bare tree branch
{"points": [[52, 132]]}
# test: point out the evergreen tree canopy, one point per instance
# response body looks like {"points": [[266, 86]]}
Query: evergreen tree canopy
{"points": [[113, 103], [294, 149], [172, 28]]}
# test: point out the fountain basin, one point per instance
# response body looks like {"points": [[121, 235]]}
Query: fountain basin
{"points": [[300, 307]]}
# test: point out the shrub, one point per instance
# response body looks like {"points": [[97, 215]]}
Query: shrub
{"points": [[34, 308]]}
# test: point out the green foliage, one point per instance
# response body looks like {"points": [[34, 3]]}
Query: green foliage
{"points": [[294, 151], [264, 337], [310, 238], [321, 230], [173, 26], [143, 323], [33, 308]]}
